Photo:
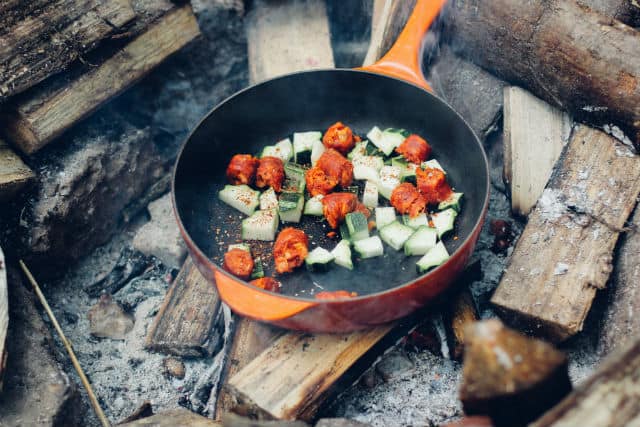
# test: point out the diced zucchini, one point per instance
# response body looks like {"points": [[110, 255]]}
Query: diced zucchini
{"points": [[303, 144], [388, 181], [258, 270], [395, 234], [452, 202], [313, 206], [444, 221], [351, 189], [316, 151], [357, 226], [367, 167], [433, 258], [385, 216], [386, 140], [242, 246], [318, 259], [344, 232], [268, 199], [407, 169], [262, 225], [294, 171], [342, 254], [294, 181], [370, 195], [416, 222], [369, 247], [240, 197], [282, 149], [290, 206], [433, 164], [421, 241], [359, 150]]}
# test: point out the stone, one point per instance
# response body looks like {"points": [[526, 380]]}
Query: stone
{"points": [[108, 320], [130, 264], [393, 364], [339, 422], [173, 367], [36, 391], [471, 91], [160, 237]]}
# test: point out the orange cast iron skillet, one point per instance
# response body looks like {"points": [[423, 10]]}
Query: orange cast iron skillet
{"points": [[390, 93]]}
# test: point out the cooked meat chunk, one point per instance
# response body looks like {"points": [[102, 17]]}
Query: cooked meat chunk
{"points": [[238, 262], [242, 169], [335, 165], [336, 206], [433, 185], [339, 137], [270, 173], [407, 200], [290, 249], [267, 283], [414, 149]]}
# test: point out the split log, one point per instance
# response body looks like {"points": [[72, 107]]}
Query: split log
{"points": [[621, 321], [185, 323], [44, 37], [458, 314], [174, 418], [609, 398], [509, 377], [40, 115], [14, 174], [627, 11], [566, 54], [233, 420], [564, 253], [534, 135], [4, 316]]}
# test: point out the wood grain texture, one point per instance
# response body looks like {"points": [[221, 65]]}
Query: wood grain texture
{"points": [[578, 60], [626, 11], [564, 254], [4, 315], [185, 323], [379, 17], [288, 379], [534, 136], [174, 418], [42, 39], [33, 121], [14, 173], [272, 29], [621, 321], [459, 313], [609, 398]]}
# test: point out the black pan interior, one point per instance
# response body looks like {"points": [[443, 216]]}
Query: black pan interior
{"points": [[270, 111]]}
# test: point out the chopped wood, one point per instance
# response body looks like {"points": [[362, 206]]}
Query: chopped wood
{"points": [[627, 11], [233, 420], [4, 316], [458, 314], [379, 17], [576, 59], [14, 173], [394, 22], [534, 136], [42, 39], [565, 252], [174, 418], [293, 376], [271, 27], [621, 321], [39, 116], [129, 265], [609, 398], [145, 410], [185, 323], [509, 377]]}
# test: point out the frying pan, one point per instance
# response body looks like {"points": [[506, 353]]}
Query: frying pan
{"points": [[390, 93]]}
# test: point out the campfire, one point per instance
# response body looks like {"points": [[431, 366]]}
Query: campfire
{"points": [[110, 312]]}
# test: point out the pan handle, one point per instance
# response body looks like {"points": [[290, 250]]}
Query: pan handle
{"points": [[403, 60]]}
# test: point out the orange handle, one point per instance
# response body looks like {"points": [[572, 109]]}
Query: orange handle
{"points": [[403, 59], [258, 305]]}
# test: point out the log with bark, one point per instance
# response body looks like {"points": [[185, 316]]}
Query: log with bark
{"points": [[627, 11], [39, 115], [609, 398], [565, 252], [509, 377], [173, 418], [14, 173], [576, 59]]}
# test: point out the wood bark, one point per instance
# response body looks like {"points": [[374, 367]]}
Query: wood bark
{"points": [[173, 418], [43, 38], [609, 398], [621, 321], [40, 115], [564, 53], [565, 252], [626, 11], [4, 316], [14, 173], [534, 136], [185, 323]]}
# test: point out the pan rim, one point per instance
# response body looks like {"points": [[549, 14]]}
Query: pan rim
{"points": [[424, 277]]}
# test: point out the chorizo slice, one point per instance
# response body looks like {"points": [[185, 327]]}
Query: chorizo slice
{"points": [[407, 200], [239, 263], [270, 173], [242, 169], [335, 165], [433, 185], [318, 182], [339, 137], [290, 249], [414, 149], [267, 283], [336, 206]]}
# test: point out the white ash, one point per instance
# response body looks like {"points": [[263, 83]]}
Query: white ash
{"points": [[552, 204], [592, 108], [618, 134], [560, 269]]}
